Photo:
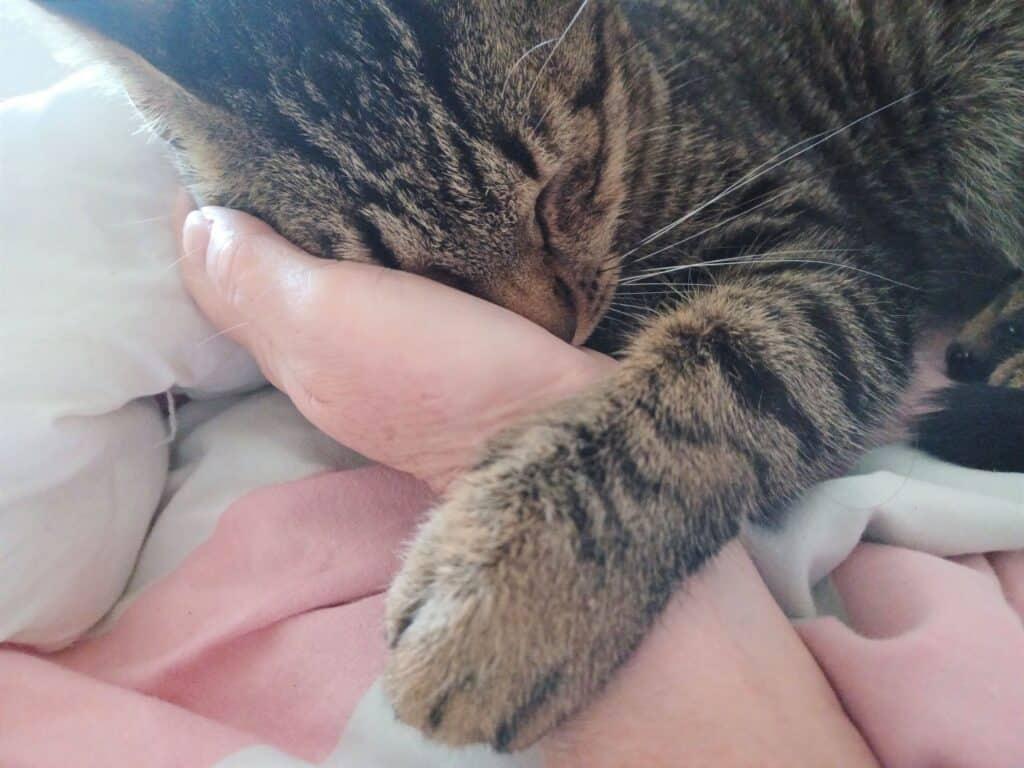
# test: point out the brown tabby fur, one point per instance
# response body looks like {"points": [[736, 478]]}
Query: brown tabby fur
{"points": [[979, 422], [991, 345], [826, 166]]}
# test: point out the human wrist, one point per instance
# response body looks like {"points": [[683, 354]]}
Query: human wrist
{"points": [[721, 680]]}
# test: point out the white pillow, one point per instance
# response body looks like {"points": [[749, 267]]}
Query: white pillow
{"points": [[26, 63], [93, 323]]}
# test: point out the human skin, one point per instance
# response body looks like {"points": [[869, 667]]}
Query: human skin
{"points": [[418, 376]]}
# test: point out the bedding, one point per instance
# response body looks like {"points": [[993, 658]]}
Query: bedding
{"points": [[261, 645], [206, 589], [94, 324]]}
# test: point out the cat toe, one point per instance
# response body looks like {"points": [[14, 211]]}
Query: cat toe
{"points": [[483, 620]]}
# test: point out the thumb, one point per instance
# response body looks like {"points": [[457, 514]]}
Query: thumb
{"points": [[404, 370], [245, 279]]}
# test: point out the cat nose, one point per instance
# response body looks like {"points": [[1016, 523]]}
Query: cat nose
{"points": [[565, 311], [567, 302], [961, 363], [539, 291], [547, 302]]}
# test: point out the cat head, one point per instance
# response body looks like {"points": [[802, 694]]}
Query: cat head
{"points": [[993, 336], [483, 144]]}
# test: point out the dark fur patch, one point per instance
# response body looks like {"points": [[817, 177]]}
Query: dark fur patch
{"points": [[436, 716], [406, 622], [836, 345], [762, 390], [541, 693], [515, 149], [975, 425], [374, 241]]}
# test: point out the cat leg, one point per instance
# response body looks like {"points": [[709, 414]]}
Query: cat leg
{"points": [[547, 564]]}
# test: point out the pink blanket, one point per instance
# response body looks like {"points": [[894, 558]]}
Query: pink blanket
{"points": [[270, 633]]}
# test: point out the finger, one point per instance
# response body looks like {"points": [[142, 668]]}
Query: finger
{"points": [[299, 314], [284, 305], [248, 281], [405, 370]]}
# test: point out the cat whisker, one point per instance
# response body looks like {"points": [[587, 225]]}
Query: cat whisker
{"points": [[151, 220], [627, 305], [630, 316], [678, 64], [680, 86], [753, 258], [768, 166], [662, 289], [520, 61], [757, 261], [622, 56], [174, 264], [652, 284], [740, 259], [554, 49], [542, 118], [223, 332], [713, 227], [305, 273]]}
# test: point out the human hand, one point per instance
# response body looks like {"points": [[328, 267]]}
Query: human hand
{"points": [[418, 376], [408, 372], [721, 681]]}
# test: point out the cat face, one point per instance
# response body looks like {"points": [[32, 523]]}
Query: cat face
{"points": [[993, 336], [483, 144]]}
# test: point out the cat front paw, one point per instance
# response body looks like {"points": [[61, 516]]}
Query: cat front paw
{"points": [[516, 601]]}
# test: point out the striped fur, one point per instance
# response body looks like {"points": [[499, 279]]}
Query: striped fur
{"points": [[756, 203], [980, 422]]}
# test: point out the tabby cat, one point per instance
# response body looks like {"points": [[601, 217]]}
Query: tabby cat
{"points": [[981, 423], [756, 204]]}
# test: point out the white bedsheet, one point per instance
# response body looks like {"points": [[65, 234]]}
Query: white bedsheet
{"points": [[93, 323]]}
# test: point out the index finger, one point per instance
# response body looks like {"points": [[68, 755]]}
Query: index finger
{"points": [[247, 281]]}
